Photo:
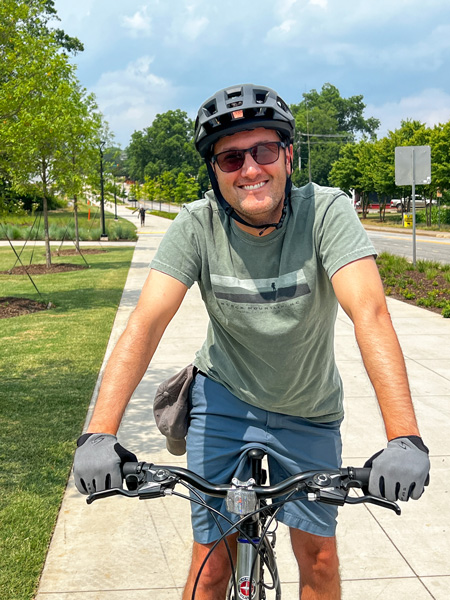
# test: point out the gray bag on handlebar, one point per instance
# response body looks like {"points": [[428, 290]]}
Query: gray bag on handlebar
{"points": [[171, 408]]}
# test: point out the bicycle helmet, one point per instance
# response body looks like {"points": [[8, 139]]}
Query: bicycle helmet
{"points": [[242, 108]]}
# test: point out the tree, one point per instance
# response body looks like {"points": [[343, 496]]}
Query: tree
{"points": [[324, 121], [186, 189], [42, 136], [166, 145], [76, 159], [46, 120], [346, 172], [38, 25], [26, 47], [440, 164]]}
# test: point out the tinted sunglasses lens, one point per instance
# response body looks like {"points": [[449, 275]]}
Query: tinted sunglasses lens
{"points": [[230, 161], [265, 154]]}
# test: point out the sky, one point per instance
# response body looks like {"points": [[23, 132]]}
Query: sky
{"points": [[146, 57]]}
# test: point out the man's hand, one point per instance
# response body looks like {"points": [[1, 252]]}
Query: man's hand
{"points": [[400, 471], [98, 462]]}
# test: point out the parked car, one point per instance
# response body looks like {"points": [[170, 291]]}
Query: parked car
{"points": [[421, 202]]}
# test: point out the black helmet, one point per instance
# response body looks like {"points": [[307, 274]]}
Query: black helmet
{"points": [[239, 108]]}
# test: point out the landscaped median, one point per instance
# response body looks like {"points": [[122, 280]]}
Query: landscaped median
{"points": [[49, 364]]}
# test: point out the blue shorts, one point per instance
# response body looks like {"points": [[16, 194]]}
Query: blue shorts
{"points": [[222, 428]]}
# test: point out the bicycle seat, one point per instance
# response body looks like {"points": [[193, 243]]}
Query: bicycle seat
{"points": [[256, 453]]}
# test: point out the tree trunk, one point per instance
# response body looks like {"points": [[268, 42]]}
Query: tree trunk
{"points": [[48, 254], [75, 214], [365, 205]]}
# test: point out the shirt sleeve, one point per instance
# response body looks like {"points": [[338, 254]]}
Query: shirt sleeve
{"points": [[340, 237], [178, 254]]}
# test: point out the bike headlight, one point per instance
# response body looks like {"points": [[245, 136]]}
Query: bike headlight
{"points": [[241, 502]]}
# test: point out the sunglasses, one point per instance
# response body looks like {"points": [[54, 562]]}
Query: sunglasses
{"points": [[263, 154]]}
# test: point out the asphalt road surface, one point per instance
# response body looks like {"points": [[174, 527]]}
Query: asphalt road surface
{"points": [[427, 248]]}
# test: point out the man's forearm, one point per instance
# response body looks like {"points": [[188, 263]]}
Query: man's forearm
{"points": [[385, 365], [125, 369]]}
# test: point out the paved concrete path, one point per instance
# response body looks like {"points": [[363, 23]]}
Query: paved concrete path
{"points": [[120, 549]]}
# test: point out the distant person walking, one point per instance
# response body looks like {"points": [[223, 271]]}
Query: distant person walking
{"points": [[142, 215]]}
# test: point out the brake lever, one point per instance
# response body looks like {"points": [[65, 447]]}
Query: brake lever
{"points": [[374, 500], [329, 488], [112, 492]]}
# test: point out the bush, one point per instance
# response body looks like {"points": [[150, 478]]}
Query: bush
{"points": [[444, 215], [435, 220], [446, 311]]}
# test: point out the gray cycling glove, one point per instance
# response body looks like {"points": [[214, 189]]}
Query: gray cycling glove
{"points": [[98, 462], [401, 470]]}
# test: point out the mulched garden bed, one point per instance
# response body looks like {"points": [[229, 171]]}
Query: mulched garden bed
{"points": [[43, 270], [15, 307], [74, 252], [416, 289]]}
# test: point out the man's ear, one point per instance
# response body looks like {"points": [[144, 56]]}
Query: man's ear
{"points": [[290, 159]]}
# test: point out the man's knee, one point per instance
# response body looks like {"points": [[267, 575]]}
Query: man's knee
{"points": [[215, 567], [314, 553]]}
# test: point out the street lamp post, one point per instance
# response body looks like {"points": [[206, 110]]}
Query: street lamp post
{"points": [[103, 235], [115, 200]]}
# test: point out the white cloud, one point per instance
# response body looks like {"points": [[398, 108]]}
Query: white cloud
{"points": [[131, 98], [194, 28], [278, 33], [431, 106], [139, 23], [321, 3]]}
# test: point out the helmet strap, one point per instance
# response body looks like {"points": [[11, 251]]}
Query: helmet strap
{"points": [[229, 210]]}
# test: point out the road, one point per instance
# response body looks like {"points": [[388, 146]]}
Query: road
{"points": [[427, 248]]}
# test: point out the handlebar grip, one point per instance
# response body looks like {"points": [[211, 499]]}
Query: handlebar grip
{"points": [[131, 468], [361, 474]]}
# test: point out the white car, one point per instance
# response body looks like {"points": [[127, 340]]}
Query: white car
{"points": [[420, 203]]}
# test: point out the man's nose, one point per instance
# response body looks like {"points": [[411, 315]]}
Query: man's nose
{"points": [[250, 168]]}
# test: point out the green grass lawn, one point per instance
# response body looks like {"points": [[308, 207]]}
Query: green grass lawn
{"points": [[62, 224], [49, 363]]}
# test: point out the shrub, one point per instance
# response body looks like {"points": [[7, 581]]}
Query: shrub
{"points": [[446, 311]]}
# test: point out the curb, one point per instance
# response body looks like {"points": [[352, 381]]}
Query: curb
{"points": [[437, 234]]}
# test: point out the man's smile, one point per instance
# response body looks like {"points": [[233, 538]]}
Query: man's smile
{"points": [[253, 186]]}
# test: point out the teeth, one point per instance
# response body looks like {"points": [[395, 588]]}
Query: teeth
{"points": [[253, 187]]}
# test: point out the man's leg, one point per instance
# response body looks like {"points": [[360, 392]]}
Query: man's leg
{"points": [[214, 578], [318, 565]]}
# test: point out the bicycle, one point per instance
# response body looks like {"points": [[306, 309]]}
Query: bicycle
{"points": [[249, 501]]}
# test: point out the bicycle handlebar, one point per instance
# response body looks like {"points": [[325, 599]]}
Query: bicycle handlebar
{"points": [[146, 480]]}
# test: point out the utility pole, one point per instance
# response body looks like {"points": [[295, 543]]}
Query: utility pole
{"points": [[102, 193]]}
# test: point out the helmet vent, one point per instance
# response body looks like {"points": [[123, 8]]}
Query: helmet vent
{"points": [[260, 97], [234, 93], [282, 104], [210, 109]]}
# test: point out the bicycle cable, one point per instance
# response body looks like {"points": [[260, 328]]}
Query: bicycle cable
{"points": [[212, 511]]}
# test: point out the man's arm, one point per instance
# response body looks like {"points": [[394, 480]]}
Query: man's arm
{"points": [[160, 299], [359, 290]]}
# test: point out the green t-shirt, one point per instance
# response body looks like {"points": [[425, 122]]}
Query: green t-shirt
{"points": [[271, 304]]}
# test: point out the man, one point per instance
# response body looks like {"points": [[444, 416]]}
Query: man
{"points": [[142, 215], [272, 263]]}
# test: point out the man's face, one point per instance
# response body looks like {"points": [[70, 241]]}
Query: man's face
{"points": [[256, 192]]}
